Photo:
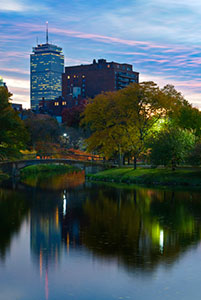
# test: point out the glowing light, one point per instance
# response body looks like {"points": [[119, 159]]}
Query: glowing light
{"points": [[68, 242], [161, 240], [64, 206], [57, 217]]}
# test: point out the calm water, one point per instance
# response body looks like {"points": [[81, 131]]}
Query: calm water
{"points": [[62, 238]]}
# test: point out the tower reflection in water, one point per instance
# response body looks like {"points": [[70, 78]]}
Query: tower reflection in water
{"points": [[52, 226], [138, 228]]}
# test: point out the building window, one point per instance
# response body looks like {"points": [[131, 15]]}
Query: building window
{"points": [[63, 103], [68, 76], [56, 103]]}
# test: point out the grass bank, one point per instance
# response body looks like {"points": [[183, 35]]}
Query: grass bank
{"points": [[46, 170], [180, 177], [3, 176]]}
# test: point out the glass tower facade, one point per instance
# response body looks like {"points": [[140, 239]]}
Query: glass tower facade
{"points": [[47, 66]]}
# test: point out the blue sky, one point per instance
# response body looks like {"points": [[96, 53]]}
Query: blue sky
{"points": [[162, 40]]}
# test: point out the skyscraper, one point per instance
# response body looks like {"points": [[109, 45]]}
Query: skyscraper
{"points": [[47, 66]]}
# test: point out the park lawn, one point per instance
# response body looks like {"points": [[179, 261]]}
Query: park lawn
{"points": [[47, 170], [187, 176]]}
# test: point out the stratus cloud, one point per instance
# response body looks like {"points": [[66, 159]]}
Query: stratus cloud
{"points": [[11, 5], [20, 90], [19, 6], [14, 70], [20, 83]]}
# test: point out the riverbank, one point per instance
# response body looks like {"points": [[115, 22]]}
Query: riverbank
{"points": [[3, 176], [180, 177], [46, 170]]}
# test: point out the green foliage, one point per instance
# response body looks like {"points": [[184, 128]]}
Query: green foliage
{"points": [[195, 155], [188, 117], [171, 146], [121, 121], [13, 135], [44, 131]]}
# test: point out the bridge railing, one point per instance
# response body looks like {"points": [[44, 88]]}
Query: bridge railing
{"points": [[65, 155]]}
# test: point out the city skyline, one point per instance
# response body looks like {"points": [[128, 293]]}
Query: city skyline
{"points": [[161, 40], [46, 67]]}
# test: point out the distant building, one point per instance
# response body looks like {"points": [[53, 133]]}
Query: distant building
{"points": [[87, 81], [47, 66], [53, 108], [17, 106], [2, 83]]}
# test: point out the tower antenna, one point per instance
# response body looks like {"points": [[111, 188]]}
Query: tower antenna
{"points": [[46, 32]]}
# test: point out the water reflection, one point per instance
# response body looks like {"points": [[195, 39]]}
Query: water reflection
{"points": [[56, 182], [138, 228], [13, 210], [142, 227]]}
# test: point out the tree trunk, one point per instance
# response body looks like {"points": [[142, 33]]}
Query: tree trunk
{"points": [[135, 163], [120, 157], [129, 160], [173, 165]]}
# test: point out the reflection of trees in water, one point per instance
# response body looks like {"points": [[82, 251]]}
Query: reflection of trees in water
{"points": [[56, 182], [142, 227], [139, 227], [13, 210]]}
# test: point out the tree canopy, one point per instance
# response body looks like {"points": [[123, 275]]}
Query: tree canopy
{"points": [[44, 132], [13, 135], [121, 121], [171, 146]]}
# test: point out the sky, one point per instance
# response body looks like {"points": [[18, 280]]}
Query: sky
{"points": [[161, 39]]}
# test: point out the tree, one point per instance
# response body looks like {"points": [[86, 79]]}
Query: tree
{"points": [[44, 132], [195, 155], [42, 128], [189, 118], [13, 135], [171, 146], [72, 116], [121, 121]]}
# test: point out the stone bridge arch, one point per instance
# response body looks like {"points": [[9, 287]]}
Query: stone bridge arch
{"points": [[13, 167]]}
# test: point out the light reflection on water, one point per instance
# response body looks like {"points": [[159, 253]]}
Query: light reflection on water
{"points": [[63, 238]]}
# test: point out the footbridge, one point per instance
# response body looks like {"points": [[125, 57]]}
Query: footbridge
{"points": [[13, 167]]}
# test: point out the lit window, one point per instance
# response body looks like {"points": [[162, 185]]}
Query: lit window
{"points": [[108, 66], [68, 77], [63, 103]]}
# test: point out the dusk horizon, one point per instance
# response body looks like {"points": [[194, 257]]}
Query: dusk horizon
{"points": [[160, 40]]}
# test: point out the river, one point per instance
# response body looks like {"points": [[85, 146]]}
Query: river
{"points": [[64, 238]]}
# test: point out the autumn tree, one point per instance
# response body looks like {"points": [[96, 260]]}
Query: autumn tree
{"points": [[121, 121], [13, 135], [71, 116]]}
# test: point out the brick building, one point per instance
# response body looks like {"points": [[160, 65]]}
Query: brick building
{"points": [[87, 81]]}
